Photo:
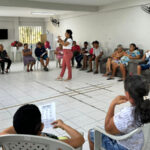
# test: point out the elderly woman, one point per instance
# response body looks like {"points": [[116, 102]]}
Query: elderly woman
{"points": [[114, 60], [29, 61], [132, 53], [4, 58]]}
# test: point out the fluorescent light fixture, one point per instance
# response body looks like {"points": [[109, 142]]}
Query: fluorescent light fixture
{"points": [[43, 13]]}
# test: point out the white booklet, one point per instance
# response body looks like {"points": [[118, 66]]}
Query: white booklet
{"points": [[147, 54], [48, 112]]}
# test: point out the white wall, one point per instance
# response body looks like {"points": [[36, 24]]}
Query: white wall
{"points": [[12, 24], [111, 28]]}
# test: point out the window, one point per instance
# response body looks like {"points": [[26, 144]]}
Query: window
{"points": [[30, 34]]}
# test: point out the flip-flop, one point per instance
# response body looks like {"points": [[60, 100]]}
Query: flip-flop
{"points": [[110, 78], [120, 80]]}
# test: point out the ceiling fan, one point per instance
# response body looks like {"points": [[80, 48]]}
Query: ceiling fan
{"points": [[146, 8]]}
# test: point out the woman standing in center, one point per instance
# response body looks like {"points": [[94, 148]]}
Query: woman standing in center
{"points": [[67, 46]]}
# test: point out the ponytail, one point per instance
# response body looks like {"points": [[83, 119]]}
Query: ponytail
{"points": [[70, 34], [138, 89]]}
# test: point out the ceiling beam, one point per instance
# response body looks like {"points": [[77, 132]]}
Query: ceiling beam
{"points": [[48, 5]]}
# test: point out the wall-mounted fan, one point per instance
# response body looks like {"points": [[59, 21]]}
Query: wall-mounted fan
{"points": [[55, 22], [146, 8]]}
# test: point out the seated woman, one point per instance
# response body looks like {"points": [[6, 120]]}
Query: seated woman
{"points": [[4, 58], [27, 120], [59, 54], [145, 64], [29, 61], [114, 59], [129, 118], [132, 53]]}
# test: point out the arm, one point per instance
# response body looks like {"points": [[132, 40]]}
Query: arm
{"points": [[109, 120], [9, 130], [101, 54], [62, 42], [137, 57], [76, 139]]}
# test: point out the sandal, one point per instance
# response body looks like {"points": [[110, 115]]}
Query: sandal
{"points": [[59, 79], [110, 78]]}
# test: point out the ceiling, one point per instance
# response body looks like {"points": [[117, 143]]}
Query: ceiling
{"points": [[81, 2], [27, 12], [25, 8]]}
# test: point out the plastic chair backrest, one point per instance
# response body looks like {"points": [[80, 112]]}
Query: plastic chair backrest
{"points": [[27, 142]]}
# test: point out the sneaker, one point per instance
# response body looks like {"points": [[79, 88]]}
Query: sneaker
{"points": [[2, 72], [45, 68]]}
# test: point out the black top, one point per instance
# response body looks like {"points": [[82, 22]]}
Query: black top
{"points": [[3, 54], [39, 51], [50, 135]]}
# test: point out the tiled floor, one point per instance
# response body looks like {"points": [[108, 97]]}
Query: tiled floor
{"points": [[82, 103]]}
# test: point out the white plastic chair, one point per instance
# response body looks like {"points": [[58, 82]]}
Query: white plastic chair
{"points": [[98, 135], [28, 142]]}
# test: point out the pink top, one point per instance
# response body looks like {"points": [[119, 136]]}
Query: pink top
{"points": [[60, 53]]}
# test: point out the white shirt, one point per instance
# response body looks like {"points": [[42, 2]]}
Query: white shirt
{"points": [[97, 51], [125, 123], [70, 41]]}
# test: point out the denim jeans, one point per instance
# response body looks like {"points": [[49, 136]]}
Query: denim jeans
{"points": [[107, 143]]}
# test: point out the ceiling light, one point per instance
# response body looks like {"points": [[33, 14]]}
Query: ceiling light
{"points": [[43, 13]]}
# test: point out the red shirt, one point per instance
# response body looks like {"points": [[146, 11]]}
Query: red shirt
{"points": [[76, 48], [91, 51]]}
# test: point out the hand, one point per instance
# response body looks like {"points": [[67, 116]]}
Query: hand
{"points": [[59, 37], [119, 100], [130, 57], [58, 124]]}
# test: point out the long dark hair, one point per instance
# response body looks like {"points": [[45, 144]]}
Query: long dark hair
{"points": [[70, 34], [138, 89], [134, 45]]}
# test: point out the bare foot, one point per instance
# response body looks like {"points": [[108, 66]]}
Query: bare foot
{"points": [[105, 75]]}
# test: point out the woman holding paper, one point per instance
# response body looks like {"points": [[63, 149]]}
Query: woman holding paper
{"points": [[67, 46]]}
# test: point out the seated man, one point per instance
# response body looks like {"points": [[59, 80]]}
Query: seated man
{"points": [[97, 54], [76, 51], [27, 120], [41, 54], [79, 58], [145, 64], [4, 58]]}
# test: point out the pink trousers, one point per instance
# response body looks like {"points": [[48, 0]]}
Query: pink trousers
{"points": [[67, 63]]}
